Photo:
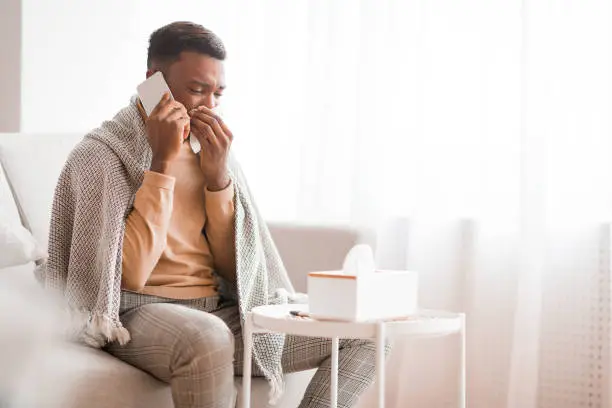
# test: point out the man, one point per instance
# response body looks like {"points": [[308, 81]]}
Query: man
{"points": [[163, 252]]}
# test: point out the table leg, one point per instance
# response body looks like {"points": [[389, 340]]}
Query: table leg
{"points": [[380, 362], [248, 357], [462, 367], [334, 373]]}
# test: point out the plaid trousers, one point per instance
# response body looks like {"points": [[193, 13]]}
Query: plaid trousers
{"points": [[196, 346]]}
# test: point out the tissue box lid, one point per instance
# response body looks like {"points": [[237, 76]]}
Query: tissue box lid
{"points": [[331, 274], [341, 275]]}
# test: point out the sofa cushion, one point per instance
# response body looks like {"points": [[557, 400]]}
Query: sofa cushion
{"points": [[32, 164], [18, 277], [77, 376], [17, 246], [327, 247], [7, 202]]}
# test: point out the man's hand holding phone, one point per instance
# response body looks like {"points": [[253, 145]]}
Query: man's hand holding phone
{"points": [[167, 126], [215, 139]]}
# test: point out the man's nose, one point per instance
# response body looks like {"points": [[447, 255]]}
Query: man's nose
{"points": [[209, 101]]}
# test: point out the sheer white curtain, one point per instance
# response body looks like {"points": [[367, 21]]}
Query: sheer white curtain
{"points": [[475, 137]]}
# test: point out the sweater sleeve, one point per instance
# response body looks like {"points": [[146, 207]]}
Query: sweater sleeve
{"points": [[220, 230], [146, 229]]}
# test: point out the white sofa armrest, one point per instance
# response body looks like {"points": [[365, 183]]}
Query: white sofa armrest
{"points": [[307, 248]]}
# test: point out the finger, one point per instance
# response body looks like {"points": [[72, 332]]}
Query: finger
{"points": [[171, 107], [226, 131], [205, 131], [175, 107], [160, 105], [210, 120], [219, 119], [180, 120], [180, 106], [187, 129], [186, 123], [168, 108], [202, 130], [215, 125], [183, 122]]}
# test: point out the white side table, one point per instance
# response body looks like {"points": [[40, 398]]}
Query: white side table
{"points": [[427, 323]]}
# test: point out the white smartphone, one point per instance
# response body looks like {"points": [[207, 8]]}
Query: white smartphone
{"points": [[151, 91]]}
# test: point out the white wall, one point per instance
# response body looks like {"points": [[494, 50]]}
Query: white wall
{"points": [[10, 65], [82, 60]]}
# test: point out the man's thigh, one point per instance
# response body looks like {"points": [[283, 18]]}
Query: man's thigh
{"points": [[231, 316], [164, 335]]}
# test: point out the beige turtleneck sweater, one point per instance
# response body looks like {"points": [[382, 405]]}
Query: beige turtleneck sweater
{"points": [[178, 233]]}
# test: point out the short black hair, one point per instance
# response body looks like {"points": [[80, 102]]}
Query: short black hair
{"points": [[167, 43]]}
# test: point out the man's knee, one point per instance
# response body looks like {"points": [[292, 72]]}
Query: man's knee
{"points": [[205, 340]]}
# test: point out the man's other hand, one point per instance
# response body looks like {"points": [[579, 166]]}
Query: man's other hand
{"points": [[215, 139]]}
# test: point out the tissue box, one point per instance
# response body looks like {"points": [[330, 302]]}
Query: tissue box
{"points": [[332, 295]]}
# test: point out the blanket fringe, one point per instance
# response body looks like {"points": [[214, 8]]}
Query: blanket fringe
{"points": [[121, 335], [276, 389], [96, 330]]}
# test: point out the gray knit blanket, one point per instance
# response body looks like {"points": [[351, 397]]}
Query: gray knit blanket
{"points": [[93, 197]]}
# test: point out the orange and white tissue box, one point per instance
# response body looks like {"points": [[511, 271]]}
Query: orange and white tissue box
{"points": [[376, 295]]}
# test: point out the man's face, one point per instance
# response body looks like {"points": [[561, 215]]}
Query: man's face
{"points": [[195, 79]]}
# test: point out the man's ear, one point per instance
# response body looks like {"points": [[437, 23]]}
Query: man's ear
{"points": [[150, 72]]}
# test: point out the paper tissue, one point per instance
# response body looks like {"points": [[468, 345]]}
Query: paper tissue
{"points": [[360, 292]]}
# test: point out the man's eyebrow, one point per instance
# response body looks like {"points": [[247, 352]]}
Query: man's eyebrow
{"points": [[200, 83], [205, 84]]}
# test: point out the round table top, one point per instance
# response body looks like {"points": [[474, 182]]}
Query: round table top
{"points": [[276, 318]]}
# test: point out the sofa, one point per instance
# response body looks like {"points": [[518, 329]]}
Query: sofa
{"points": [[29, 167]]}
